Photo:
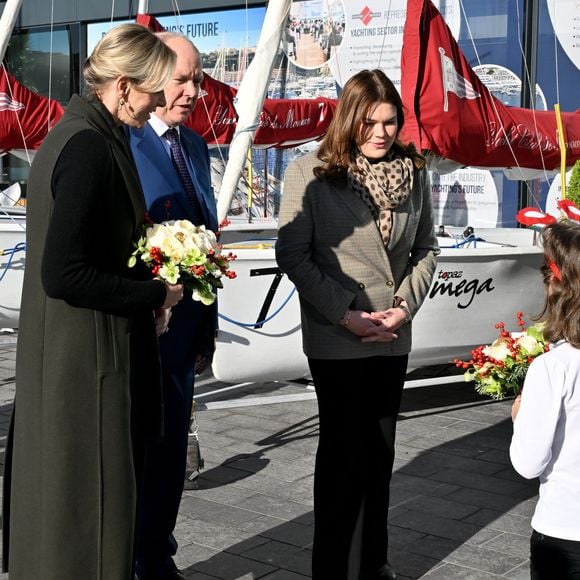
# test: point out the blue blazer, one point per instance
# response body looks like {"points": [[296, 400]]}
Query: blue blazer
{"points": [[193, 326]]}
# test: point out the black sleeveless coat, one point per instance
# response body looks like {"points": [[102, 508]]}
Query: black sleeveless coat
{"points": [[87, 367]]}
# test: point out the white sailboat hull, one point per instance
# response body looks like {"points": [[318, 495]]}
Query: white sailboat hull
{"points": [[474, 288], [12, 235]]}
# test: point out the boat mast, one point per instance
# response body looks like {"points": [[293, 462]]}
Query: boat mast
{"points": [[250, 99], [529, 70], [7, 22]]}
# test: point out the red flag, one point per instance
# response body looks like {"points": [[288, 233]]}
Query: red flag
{"points": [[531, 216], [25, 116], [452, 113], [214, 117], [149, 22]]}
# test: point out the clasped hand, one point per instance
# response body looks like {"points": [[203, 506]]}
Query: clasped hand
{"points": [[174, 293], [376, 326]]}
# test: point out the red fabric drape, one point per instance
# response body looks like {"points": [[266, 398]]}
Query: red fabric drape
{"points": [[22, 108], [452, 113]]}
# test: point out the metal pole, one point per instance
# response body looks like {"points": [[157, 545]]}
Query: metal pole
{"points": [[143, 7], [528, 76], [7, 22]]}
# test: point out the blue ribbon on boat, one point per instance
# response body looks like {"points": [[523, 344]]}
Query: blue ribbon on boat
{"points": [[260, 322], [20, 247]]}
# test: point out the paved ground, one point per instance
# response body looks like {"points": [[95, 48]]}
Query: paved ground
{"points": [[458, 510]]}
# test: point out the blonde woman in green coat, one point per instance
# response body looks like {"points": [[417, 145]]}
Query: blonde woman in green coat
{"points": [[356, 237], [87, 373]]}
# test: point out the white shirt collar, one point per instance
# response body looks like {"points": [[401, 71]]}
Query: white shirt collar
{"points": [[160, 127]]}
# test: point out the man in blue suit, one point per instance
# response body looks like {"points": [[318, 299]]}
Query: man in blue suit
{"points": [[173, 164]]}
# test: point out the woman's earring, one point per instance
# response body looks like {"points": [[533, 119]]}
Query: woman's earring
{"points": [[121, 103]]}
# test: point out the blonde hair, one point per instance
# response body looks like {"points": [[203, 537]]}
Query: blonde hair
{"points": [[360, 93], [132, 51]]}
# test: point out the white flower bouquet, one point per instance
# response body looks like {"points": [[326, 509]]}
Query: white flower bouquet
{"points": [[177, 251], [500, 368]]}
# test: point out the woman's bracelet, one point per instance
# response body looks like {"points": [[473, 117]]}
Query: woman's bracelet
{"points": [[408, 316], [345, 318]]}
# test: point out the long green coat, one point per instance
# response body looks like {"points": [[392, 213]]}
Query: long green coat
{"points": [[87, 369]]}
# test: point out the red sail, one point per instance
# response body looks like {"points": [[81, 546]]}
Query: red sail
{"points": [[282, 123], [451, 112], [25, 116]]}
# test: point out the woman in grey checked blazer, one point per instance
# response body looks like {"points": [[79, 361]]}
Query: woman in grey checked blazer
{"points": [[357, 239]]}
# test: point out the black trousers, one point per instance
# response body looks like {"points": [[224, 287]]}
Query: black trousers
{"points": [[358, 403], [164, 476], [553, 558]]}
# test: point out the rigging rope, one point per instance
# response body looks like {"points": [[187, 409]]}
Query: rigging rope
{"points": [[502, 126], [260, 322], [50, 65], [532, 98]]}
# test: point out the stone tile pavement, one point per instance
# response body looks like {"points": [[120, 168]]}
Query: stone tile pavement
{"points": [[458, 509]]}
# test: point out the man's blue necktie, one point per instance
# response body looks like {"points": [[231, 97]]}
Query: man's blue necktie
{"points": [[183, 172]]}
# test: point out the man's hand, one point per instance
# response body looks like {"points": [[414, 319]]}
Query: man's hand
{"points": [[202, 363], [162, 316]]}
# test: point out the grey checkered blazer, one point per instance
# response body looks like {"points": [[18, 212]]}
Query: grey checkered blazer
{"points": [[330, 247]]}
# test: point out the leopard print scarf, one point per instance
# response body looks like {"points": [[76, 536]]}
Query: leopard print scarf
{"points": [[382, 186]]}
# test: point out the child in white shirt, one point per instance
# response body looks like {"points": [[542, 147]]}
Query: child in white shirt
{"points": [[546, 439]]}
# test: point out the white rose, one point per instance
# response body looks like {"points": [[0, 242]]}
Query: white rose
{"points": [[528, 342], [184, 226], [162, 238], [155, 234], [200, 240], [498, 350]]}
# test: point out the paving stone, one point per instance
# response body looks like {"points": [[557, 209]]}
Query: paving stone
{"points": [[400, 537], [291, 533], [453, 572], [420, 485], [499, 521], [411, 565], [283, 556], [228, 566], [223, 494], [218, 536], [486, 560], [520, 573], [208, 511], [435, 525], [261, 524], [429, 463], [442, 507], [507, 543], [481, 482], [284, 575], [268, 505], [484, 498]]}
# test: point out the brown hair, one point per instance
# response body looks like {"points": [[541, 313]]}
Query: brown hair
{"points": [[562, 293], [361, 92]]}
